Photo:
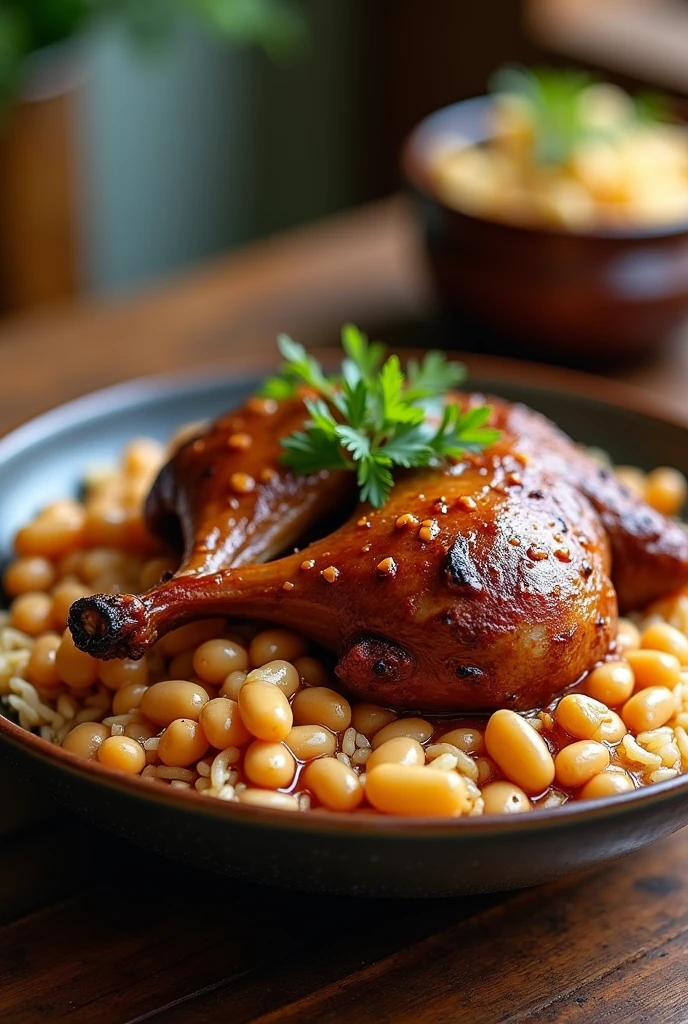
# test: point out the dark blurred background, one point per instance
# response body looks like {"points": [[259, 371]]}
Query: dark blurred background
{"points": [[137, 139]]}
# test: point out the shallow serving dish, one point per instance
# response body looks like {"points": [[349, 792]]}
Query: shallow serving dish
{"points": [[576, 297], [321, 851]]}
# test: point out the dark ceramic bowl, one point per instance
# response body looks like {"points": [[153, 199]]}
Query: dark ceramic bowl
{"points": [[572, 297], [319, 851]]}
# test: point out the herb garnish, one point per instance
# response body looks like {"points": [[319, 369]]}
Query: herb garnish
{"points": [[560, 121], [373, 415]]}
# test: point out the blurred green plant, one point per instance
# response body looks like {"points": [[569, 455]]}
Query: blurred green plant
{"points": [[560, 119], [277, 26]]}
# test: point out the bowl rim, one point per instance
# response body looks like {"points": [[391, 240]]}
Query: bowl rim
{"points": [[415, 160], [244, 371]]}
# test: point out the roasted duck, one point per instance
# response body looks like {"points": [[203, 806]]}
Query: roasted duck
{"points": [[493, 582]]}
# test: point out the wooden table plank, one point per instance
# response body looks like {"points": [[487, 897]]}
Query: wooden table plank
{"points": [[105, 952], [356, 935], [45, 865], [514, 959], [145, 936], [649, 987], [133, 949]]}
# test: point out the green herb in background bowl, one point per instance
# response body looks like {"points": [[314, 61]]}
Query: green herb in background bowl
{"points": [[567, 109]]}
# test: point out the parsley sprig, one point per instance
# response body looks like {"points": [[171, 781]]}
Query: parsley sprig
{"points": [[374, 416], [560, 121]]}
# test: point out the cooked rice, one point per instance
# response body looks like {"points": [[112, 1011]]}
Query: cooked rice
{"points": [[349, 742], [180, 774], [445, 762], [220, 770]]}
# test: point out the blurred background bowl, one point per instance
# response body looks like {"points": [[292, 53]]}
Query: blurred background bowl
{"points": [[585, 297]]}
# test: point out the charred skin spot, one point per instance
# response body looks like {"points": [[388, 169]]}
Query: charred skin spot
{"points": [[460, 569], [374, 667], [110, 626], [468, 672]]}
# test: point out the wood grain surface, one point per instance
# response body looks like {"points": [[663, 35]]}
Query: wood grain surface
{"points": [[95, 931]]}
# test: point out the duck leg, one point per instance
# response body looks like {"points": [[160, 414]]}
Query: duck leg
{"points": [[485, 585], [459, 593]]}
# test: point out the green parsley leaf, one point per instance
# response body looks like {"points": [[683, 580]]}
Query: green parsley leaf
{"points": [[652, 108], [321, 417], [353, 402], [554, 99], [459, 432], [408, 447], [355, 442], [363, 358], [299, 368], [309, 452], [375, 480], [434, 376], [560, 121], [278, 388], [373, 416]]}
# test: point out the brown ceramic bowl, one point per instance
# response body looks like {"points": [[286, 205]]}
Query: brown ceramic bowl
{"points": [[318, 851], [577, 298]]}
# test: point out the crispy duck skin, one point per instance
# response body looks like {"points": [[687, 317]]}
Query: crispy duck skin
{"points": [[226, 497], [484, 585]]}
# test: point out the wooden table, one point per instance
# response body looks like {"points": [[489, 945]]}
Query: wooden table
{"points": [[95, 931]]}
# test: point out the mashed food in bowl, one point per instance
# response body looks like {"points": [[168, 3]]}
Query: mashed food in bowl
{"points": [[248, 713], [569, 153]]}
